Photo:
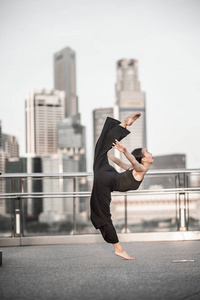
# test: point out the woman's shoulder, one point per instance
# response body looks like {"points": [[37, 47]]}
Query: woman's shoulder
{"points": [[138, 175]]}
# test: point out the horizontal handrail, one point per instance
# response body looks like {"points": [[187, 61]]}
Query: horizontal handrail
{"points": [[41, 175], [88, 193], [88, 174]]}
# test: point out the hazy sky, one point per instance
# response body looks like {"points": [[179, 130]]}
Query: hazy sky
{"points": [[164, 36]]}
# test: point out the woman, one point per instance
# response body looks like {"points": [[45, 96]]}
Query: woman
{"points": [[107, 179]]}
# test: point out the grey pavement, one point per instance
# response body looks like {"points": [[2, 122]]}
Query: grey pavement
{"points": [[92, 271]]}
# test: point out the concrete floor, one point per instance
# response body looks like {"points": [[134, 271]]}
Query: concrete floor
{"points": [[92, 271]]}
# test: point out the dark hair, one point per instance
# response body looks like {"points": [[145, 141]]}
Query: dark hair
{"points": [[138, 154]]}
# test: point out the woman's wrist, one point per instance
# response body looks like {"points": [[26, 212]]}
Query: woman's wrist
{"points": [[124, 150]]}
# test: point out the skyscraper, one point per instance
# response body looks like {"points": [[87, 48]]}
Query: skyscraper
{"points": [[99, 117], [9, 148], [65, 79], [130, 99], [10, 145], [72, 141], [43, 110]]}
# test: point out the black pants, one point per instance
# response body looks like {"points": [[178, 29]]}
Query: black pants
{"points": [[105, 179]]}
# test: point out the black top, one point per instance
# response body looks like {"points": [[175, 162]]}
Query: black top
{"points": [[126, 182]]}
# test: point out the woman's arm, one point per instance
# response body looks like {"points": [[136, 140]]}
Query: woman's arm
{"points": [[119, 162], [136, 165]]}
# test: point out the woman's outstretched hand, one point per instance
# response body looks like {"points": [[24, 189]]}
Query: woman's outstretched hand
{"points": [[117, 145]]}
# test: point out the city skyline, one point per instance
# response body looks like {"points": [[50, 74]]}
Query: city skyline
{"points": [[162, 36]]}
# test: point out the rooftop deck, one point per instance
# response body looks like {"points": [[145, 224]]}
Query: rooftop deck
{"points": [[92, 271]]}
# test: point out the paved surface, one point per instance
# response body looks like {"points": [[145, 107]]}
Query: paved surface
{"points": [[92, 271]]}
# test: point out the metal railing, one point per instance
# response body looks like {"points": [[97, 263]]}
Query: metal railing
{"points": [[183, 189]]}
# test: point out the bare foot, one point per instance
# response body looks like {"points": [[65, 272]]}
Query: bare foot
{"points": [[124, 255], [132, 118], [120, 251]]}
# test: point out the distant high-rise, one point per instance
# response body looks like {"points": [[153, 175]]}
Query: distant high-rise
{"points": [[65, 79], [10, 145], [43, 110], [9, 148], [130, 99], [72, 141], [99, 117]]}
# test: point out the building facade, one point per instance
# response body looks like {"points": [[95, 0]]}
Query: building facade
{"points": [[10, 145], [130, 99], [27, 164], [72, 141], [99, 117], [43, 110], [9, 148], [65, 79]]}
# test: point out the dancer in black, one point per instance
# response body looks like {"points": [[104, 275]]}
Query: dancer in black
{"points": [[107, 179]]}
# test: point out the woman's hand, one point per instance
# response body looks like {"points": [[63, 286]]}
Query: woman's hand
{"points": [[117, 145]]}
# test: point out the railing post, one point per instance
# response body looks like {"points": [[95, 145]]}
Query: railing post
{"points": [[18, 215], [22, 208], [1, 258], [17, 222], [182, 214], [74, 206], [182, 206], [13, 208], [187, 204], [177, 202]]}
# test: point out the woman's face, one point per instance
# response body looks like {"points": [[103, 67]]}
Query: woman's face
{"points": [[147, 156]]}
